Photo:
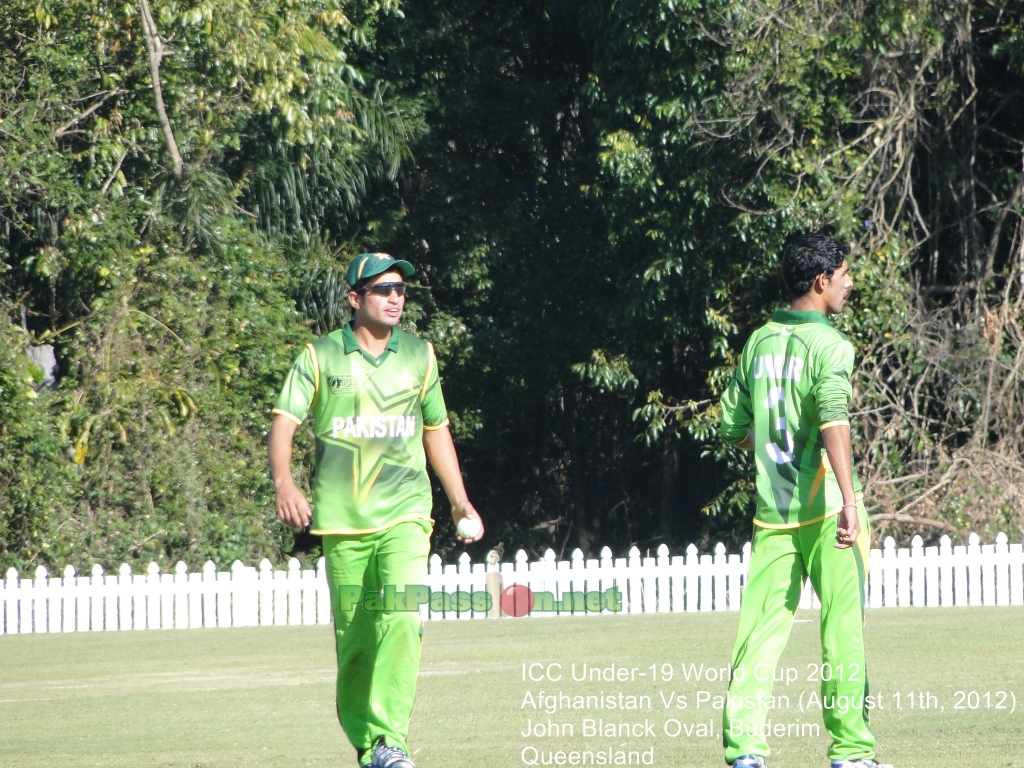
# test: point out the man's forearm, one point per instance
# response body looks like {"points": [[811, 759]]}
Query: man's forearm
{"points": [[292, 506], [279, 448], [837, 447], [440, 450]]}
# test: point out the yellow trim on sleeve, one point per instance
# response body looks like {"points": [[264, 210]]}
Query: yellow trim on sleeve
{"points": [[432, 427], [430, 369], [287, 415], [316, 373], [837, 423]]}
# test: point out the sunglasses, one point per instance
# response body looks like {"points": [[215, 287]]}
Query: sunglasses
{"points": [[385, 289]]}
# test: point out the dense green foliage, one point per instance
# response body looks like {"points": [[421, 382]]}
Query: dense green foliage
{"points": [[596, 195], [174, 317]]}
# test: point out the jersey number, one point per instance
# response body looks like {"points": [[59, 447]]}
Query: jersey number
{"points": [[780, 445]]}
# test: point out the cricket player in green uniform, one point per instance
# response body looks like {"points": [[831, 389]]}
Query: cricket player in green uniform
{"points": [[788, 404], [378, 417]]}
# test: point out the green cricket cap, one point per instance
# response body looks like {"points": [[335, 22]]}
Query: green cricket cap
{"points": [[372, 264]]}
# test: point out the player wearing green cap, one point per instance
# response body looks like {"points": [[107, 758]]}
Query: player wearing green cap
{"points": [[378, 417], [788, 404]]}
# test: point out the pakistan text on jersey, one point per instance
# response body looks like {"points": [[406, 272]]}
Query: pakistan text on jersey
{"points": [[373, 426]]}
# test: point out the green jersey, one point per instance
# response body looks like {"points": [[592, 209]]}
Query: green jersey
{"points": [[368, 418], [792, 381]]}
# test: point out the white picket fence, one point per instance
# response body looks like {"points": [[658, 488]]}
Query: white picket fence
{"points": [[944, 575]]}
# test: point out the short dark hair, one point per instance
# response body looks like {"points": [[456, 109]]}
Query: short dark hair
{"points": [[806, 256], [360, 285]]}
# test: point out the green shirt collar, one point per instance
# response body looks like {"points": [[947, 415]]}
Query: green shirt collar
{"points": [[796, 317], [351, 344]]}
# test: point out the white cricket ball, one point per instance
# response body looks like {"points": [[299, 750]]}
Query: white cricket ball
{"points": [[469, 528]]}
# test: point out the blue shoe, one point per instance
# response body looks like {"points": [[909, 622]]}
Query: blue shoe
{"points": [[865, 762], [750, 761], [390, 757]]}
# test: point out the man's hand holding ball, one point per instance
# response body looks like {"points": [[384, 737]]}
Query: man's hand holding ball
{"points": [[468, 525]]}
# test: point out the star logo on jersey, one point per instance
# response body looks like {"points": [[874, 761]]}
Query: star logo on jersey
{"points": [[378, 431], [405, 380]]}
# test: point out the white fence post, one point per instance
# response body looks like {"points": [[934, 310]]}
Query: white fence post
{"points": [[39, 601], [706, 578], [70, 602], [633, 593], [945, 568], [195, 599], [931, 576], [1001, 566], [916, 568], [130, 599], [223, 597], [890, 596], [903, 577], [663, 580], [167, 591], [9, 603], [958, 563], [54, 606], [294, 592], [1016, 563], [719, 577], [605, 568], [96, 598], [208, 594], [24, 608], [465, 570], [977, 583], [974, 568], [575, 579], [179, 599], [151, 585]]}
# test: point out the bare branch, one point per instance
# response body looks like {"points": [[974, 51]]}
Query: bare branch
{"points": [[64, 129], [997, 228], [113, 174], [155, 48], [914, 520]]}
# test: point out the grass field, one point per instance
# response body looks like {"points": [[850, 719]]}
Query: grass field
{"points": [[264, 697]]}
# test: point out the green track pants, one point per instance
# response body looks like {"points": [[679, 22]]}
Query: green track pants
{"points": [[378, 650], [780, 561]]}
